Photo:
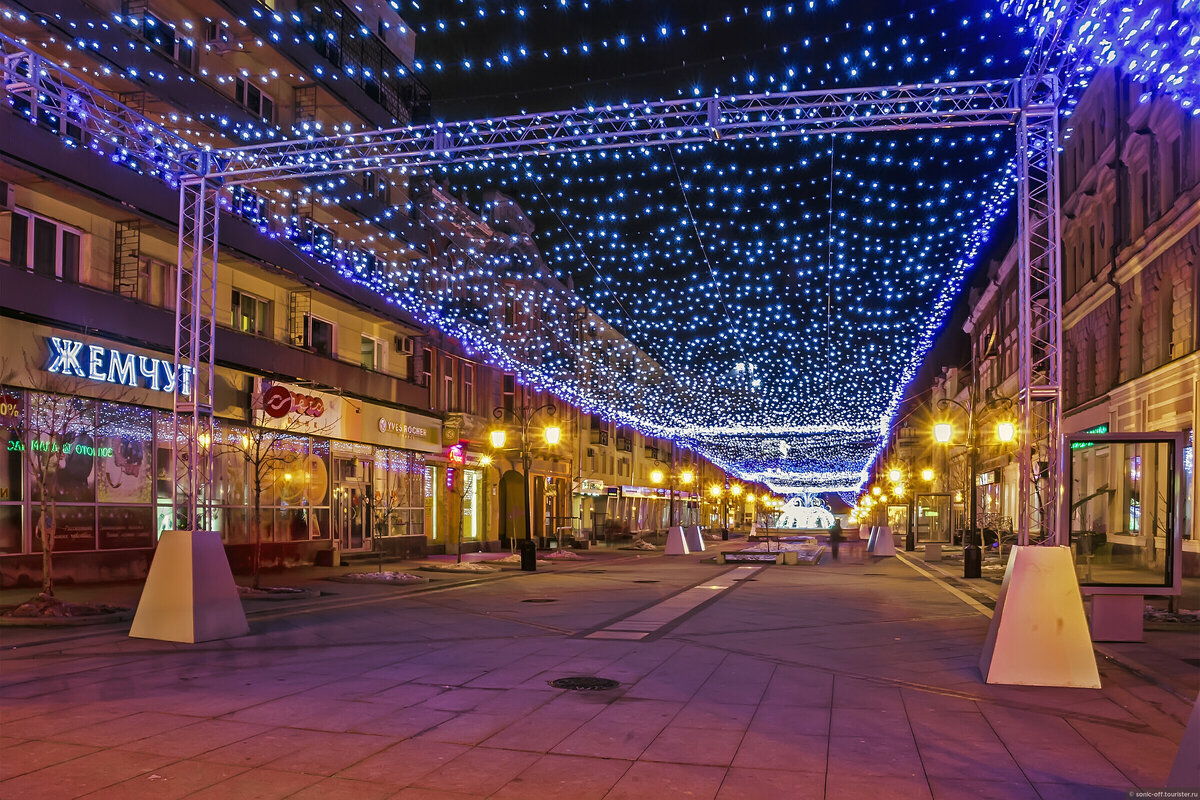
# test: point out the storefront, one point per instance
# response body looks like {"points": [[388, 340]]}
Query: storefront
{"points": [[86, 438]]}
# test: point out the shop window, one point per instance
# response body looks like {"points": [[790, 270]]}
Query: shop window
{"points": [[256, 101], [371, 353], [44, 246], [251, 314], [319, 335]]}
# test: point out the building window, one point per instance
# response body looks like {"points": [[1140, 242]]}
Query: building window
{"points": [[162, 37], [251, 314], [44, 246], [449, 396], [255, 100], [508, 398], [319, 335], [156, 284], [426, 366], [371, 353], [468, 387]]}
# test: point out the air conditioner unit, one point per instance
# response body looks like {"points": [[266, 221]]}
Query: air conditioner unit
{"points": [[403, 344], [217, 38]]}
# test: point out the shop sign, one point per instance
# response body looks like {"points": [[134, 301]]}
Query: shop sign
{"points": [[405, 430], [396, 428], [299, 409], [95, 362], [988, 478], [1102, 428], [591, 486], [10, 410]]}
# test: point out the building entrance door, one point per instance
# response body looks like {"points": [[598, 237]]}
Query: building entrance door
{"points": [[352, 506]]}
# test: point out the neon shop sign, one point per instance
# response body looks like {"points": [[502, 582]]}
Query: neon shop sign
{"points": [[107, 365]]}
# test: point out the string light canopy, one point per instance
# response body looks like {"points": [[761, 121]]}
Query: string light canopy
{"points": [[763, 302]]}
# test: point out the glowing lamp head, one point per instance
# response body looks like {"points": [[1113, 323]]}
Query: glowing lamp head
{"points": [[750, 498], [553, 433], [942, 431], [485, 461], [895, 475], [735, 490], [245, 442], [927, 475], [714, 490], [1006, 431], [656, 476], [497, 436], [875, 490], [688, 476]]}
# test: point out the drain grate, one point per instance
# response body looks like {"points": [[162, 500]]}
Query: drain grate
{"points": [[743, 580], [645, 581], [592, 571], [586, 683], [1195, 662], [880, 574], [540, 600]]}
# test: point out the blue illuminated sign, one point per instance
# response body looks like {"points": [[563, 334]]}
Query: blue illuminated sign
{"points": [[94, 362]]}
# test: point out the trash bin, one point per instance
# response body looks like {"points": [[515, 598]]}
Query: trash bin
{"points": [[972, 561], [725, 534], [528, 550]]}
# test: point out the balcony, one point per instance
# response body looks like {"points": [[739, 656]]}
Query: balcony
{"points": [[599, 436], [624, 444]]}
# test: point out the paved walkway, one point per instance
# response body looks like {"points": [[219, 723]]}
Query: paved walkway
{"points": [[835, 681]]}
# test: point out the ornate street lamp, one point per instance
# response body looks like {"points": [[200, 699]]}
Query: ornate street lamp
{"points": [[521, 418], [943, 432]]}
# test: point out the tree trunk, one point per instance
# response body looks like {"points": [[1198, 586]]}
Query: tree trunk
{"points": [[257, 558]]}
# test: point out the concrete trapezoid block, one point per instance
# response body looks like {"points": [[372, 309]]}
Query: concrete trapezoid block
{"points": [[1185, 772], [872, 538], [695, 542], [885, 545], [676, 543], [189, 594], [1039, 633]]}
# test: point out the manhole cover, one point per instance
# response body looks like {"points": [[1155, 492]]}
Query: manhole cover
{"points": [[587, 683], [540, 600], [645, 581]]}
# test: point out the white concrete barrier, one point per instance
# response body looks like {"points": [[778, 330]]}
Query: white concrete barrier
{"points": [[885, 545], [676, 543], [695, 541], [189, 594], [1039, 634]]}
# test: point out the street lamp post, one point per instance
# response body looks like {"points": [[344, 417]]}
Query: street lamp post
{"points": [[943, 432], [686, 477], [522, 416]]}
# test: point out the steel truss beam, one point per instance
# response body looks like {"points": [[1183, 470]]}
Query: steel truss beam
{"points": [[192, 428], [934, 105]]}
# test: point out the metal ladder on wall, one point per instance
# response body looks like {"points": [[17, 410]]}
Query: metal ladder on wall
{"points": [[299, 306], [127, 258]]}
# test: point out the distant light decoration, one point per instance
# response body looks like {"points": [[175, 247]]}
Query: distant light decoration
{"points": [[805, 511]]}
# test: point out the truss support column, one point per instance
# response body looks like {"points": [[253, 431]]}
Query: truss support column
{"points": [[1039, 395], [195, 324]]}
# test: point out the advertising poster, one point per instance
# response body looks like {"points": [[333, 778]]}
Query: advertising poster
{"points": [[123, 454], [126, 527]]}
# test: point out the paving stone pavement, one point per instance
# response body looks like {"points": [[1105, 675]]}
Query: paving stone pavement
{"points": [[841, 680]]}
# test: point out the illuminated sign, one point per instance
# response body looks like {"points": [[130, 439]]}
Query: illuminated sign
{"points": [[400, 429], [94, 362], [1099, 429]]}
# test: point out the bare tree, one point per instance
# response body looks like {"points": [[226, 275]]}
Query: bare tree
{"points": [[270, 449], [56, 437]]}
